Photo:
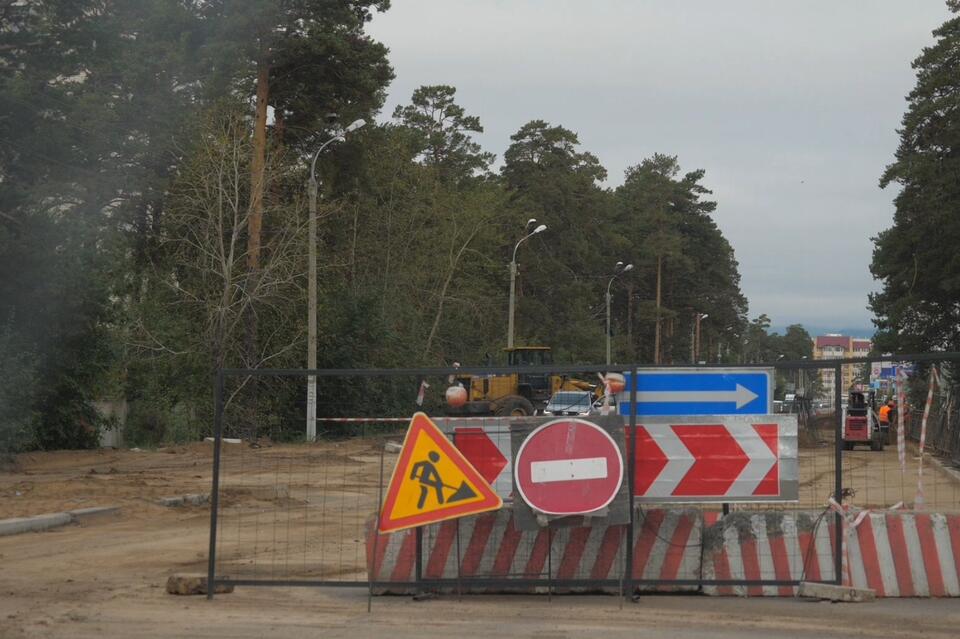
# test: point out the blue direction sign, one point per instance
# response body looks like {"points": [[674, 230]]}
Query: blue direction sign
{"points": [[700, 391]]}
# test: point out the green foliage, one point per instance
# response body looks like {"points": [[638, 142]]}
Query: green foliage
{"points": [[125, 189], [666, 220], [441, 129], [916, 259], [18, 371], [318, 58]]}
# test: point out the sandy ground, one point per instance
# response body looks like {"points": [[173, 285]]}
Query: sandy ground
{"points": [[106, 576]]}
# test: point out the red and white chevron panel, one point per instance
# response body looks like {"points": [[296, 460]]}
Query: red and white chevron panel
{"points": [[906, 554], [773, 545], [666, 546], [726, 459]]}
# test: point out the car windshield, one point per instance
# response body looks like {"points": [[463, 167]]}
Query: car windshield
{"points": [[570, 401]]}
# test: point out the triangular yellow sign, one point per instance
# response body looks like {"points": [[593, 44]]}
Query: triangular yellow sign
{"points": [[433, 482]]}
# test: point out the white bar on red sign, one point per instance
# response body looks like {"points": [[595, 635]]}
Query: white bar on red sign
{"points": [[568, 469]]}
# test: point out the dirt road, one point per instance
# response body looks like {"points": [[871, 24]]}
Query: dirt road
{"points": [[106, 576]]}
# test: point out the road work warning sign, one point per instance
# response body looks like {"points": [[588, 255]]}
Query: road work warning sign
{"points": [[432, 482]]}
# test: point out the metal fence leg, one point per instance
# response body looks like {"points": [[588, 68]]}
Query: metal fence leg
{"points": [[215, 488], [631, 467], [372, 572], [418, 564]]}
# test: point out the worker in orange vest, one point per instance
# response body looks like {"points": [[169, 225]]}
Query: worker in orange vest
{"points": [[887, 414]]}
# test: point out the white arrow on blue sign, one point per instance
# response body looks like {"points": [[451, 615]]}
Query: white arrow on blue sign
{"points": [[700, 391]]}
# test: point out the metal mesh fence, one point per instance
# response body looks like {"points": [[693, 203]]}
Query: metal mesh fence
{"points": [[287, 511]]}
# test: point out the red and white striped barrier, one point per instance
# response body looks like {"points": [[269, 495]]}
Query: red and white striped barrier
{"points": [[907, 554], [768, 546], [897, 554], [666, 546]]}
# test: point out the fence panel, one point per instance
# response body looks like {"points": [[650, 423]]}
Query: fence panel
{"points": [[290, 512]]}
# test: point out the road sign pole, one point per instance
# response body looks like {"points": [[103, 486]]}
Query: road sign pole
{"points": [[838, 474]]}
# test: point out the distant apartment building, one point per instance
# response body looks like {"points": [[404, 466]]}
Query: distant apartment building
{"points": [[835, 346]]}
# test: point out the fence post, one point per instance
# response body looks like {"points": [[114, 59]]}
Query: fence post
{"points": [[631, 466], [838, 473], [215, 488]]}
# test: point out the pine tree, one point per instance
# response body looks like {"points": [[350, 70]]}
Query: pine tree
{"points": [[916, 259]]}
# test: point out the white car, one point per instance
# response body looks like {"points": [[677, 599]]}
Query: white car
{"points": [[570, 403]]}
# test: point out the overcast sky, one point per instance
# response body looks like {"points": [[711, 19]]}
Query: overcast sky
{"points": [[790, 107]]}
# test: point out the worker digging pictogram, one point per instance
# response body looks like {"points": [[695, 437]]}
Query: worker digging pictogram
{"points": [[425, 472]]}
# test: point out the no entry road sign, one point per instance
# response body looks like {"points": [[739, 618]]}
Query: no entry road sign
{"points": [[716, 459], [700, 391], [568, 466]]}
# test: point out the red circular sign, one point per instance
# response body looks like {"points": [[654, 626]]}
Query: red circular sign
{"points": [[568, 466]]}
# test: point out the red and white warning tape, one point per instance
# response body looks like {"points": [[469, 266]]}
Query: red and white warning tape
{"points": [[852, 518], [901, 436], [934, 380], [385, 420]]}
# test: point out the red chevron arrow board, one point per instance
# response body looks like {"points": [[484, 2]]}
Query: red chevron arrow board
{"points": [[708, 461]]}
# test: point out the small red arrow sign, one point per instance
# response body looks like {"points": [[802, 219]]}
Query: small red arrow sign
{"points": [[649, 462], [480, 451]]}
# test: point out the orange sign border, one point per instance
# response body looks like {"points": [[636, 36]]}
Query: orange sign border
{"points": [[421, 423]]}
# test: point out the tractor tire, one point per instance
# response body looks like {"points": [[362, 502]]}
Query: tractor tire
{"points": [[848, 445], [876, 444], [514, 406]]}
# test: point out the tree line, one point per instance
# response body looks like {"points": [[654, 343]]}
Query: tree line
{"points": [[153, 221]]}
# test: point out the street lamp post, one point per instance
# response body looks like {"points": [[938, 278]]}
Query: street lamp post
{"points": [[513, 277], [312, 283], [618, 270]]}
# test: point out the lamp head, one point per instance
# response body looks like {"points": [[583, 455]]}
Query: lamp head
{"points": [[628, 267], [540, 229], [353, 126]]}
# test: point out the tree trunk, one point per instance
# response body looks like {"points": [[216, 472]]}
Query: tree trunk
{"points": [[656, 334], [254, 224], [257, 165]]}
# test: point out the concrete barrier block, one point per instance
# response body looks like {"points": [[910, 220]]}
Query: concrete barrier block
{"points": [[30, 524], [83, 513], [192, 584], [833, 592]]}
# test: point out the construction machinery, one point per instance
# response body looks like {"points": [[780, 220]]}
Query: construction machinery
{"points": [[860, 422], [519, 393]]}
